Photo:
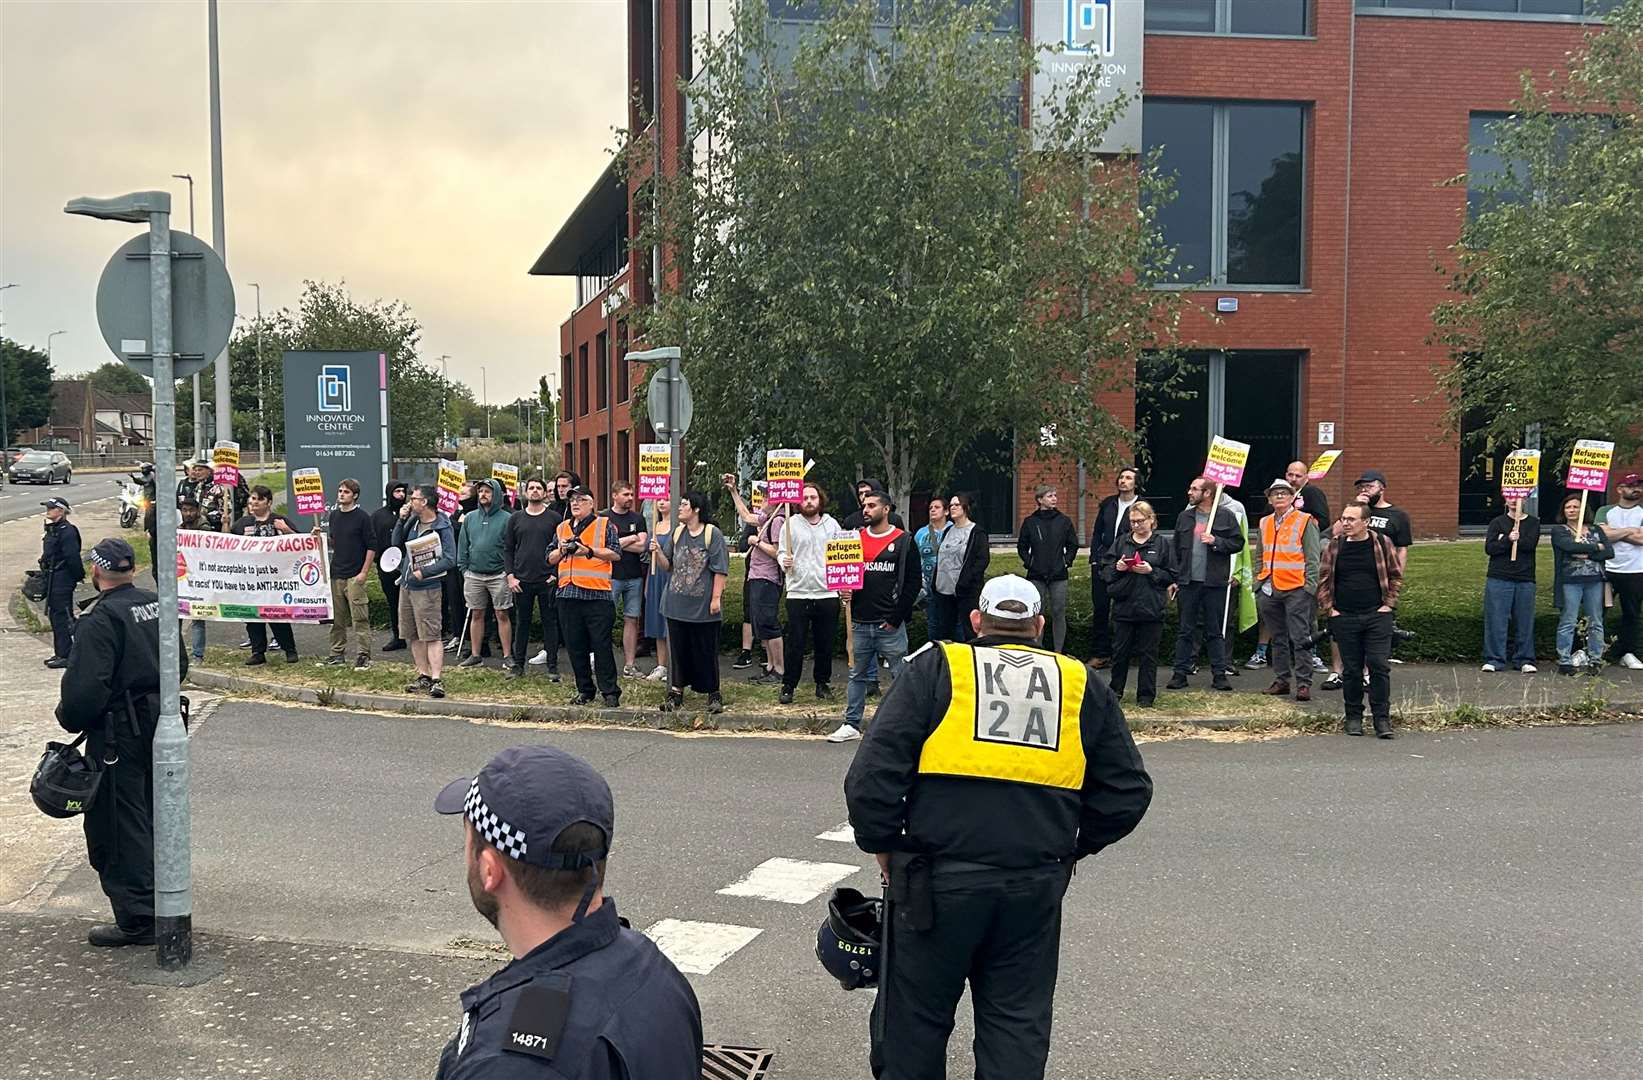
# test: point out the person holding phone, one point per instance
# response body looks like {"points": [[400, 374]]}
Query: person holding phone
{"points": [[1138, 581]]}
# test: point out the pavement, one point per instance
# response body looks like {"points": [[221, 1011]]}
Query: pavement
{"points": [[1461, 904]]}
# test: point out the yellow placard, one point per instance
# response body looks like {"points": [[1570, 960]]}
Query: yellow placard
{"points": [[226, 453], [1226, 461], [1589, 465], [1325, 462], [784, 465], [844, 549], [655, 459], [452, 475], [1520, 474], [307, 482], [508, 474]]}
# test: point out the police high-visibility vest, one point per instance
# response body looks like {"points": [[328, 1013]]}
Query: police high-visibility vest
{"points": [[1282, 557], [584, 571], [1014, 716]]}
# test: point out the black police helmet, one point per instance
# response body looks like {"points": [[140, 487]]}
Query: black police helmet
{"points": [[848, 942], [65, 781]]}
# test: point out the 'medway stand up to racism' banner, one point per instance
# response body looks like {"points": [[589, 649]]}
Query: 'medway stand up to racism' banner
{"points": [[336, 420], [252, 578]]}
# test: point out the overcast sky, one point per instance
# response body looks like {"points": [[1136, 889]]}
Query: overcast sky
{"points": [[423, 151]]}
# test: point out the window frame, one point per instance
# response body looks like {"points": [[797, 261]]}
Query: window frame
{"points": [[1443, 9], [1223, 25], [1220, 196]]}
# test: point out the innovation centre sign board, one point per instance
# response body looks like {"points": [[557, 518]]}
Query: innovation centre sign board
{"points": [[336, 421], [1106, 35]]}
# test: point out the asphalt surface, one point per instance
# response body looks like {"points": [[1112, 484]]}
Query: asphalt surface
{"points": [[1464, 904], [23, 500]]}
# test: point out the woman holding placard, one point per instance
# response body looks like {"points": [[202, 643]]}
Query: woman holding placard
{"points": [[1580, 558]]}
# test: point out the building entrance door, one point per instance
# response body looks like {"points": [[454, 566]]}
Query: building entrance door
{"points": [[1250, 396]]}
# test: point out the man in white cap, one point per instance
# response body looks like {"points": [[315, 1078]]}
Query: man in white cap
{"points": [[991, 768]]}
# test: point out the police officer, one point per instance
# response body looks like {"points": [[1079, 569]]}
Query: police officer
{"points": [[111, 689], [990, 769], [60, 559], [586, 997]]}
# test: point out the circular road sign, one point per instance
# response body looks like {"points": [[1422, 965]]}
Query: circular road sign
{"points": [[202, 304], [656, 402]]}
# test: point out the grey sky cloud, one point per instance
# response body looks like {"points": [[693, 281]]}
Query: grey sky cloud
{"points": [[419, 151]]}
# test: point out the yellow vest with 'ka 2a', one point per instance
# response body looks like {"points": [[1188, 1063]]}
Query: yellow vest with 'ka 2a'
{"points": [[1014, 716]]}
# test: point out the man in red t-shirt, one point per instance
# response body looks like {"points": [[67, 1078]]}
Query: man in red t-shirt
{"points": [[880, 608]]}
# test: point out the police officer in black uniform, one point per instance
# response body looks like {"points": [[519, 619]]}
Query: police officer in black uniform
{"points": [[111, 690], [991, 768], [586, 998], [60, 559]]}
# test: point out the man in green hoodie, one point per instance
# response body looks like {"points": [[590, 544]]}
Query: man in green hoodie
{"points": [[484, 576]]}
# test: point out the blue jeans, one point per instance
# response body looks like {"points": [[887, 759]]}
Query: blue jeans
{"points": [[871, 641], [196, 636], [1585, 593], [941, 613], [1508, 604]]}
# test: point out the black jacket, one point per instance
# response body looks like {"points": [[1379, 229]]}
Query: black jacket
{"points": [[1229, 540], [973, 574], [526, 538], [1107, 528], [1141, 597], [1048, 545], [858, 520], [996, 822], [1499, 548], [116, 652], [383, 520], [60, 551]]}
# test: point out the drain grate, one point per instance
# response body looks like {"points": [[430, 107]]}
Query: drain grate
{"points": [[735, 1063]]}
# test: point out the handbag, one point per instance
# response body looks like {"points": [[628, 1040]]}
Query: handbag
{"points": [[34, 585]]}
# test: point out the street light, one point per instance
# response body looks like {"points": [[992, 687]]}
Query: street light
{"points": [[262, 421], [444, 403], [173, 891], [196, 383], [49, 336], [485, 399]]}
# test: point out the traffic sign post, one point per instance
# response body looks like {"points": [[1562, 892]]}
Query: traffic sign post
{"points": [[671, 409], [135, 265]]}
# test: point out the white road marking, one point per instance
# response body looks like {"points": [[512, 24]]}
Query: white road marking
{"points": [[842, 833], [696, 948], [789, 881]]}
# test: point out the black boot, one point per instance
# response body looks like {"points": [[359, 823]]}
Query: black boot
{"points": [[1383, 728], [1354, 725]]}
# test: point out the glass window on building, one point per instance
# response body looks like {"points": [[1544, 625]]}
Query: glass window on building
{"points": [[1286, 18], [1490, 178], [1567, 8], [1239, 173]]}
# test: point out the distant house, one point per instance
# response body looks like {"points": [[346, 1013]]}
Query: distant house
{"points": [[86, 420]]}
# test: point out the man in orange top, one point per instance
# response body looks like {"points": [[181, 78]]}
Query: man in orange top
{"points": [[584, 550], [1286, 550]]}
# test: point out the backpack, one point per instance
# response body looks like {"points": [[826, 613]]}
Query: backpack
{"points": [[707, 535]]}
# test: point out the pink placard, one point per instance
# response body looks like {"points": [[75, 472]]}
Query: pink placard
{"points": [[448, 501], [311, 504], [227, 476], [784, 491], [1229, 475], [845, 575], [653, 487]]}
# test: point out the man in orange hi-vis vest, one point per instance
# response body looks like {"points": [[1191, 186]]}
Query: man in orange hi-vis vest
{"points": [[583, 553], [1287, 552]]}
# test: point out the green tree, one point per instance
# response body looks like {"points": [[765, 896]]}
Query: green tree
{"points": [[115, 377], [27, 372], [885, 262], [328, 317], [1546, 323]]}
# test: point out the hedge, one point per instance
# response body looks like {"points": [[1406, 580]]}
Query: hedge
{"points": [[1442, 603]]}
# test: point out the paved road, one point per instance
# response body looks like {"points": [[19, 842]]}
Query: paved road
{"points": [[1455, 905], [23, 500]]}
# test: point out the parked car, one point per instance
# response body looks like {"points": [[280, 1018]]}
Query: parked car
{"points": [[41, 467]]}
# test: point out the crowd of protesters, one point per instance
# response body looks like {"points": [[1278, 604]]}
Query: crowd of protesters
{"points": [[546, 564]]}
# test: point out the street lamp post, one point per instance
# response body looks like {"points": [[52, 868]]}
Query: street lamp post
{"points": [[444, 403], [196, 384], [219, 232], [173, 889], [485, 399], [262, 421], [49, 336]]}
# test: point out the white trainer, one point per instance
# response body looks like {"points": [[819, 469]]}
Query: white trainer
{"points": [[1578, 659], [845, 733], [1489, 667], [1528, 669], [657, 674], [1631, 661], [540, 659]]}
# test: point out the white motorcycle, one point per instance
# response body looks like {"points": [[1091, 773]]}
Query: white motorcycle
{"points": [[133, 505]]}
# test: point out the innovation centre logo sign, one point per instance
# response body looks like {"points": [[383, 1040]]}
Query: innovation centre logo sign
{"points": [[334, 394], [1090, 26]]}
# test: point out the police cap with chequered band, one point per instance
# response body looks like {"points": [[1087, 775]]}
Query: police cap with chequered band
{"points": [[526, 796], [114, 555]]}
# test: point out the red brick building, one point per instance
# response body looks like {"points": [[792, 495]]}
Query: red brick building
{"points": [[1312, 140]]}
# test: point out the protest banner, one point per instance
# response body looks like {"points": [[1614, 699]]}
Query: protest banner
{"points": [[1589, 472], [1325, 462], [508, 474], [229, 578], [421, 551], [225, 463], [757, 500], [452, 475], [655, 470], [1519, 476], [784, 476], [1226, 461], [309, 487], [846, 563]]}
